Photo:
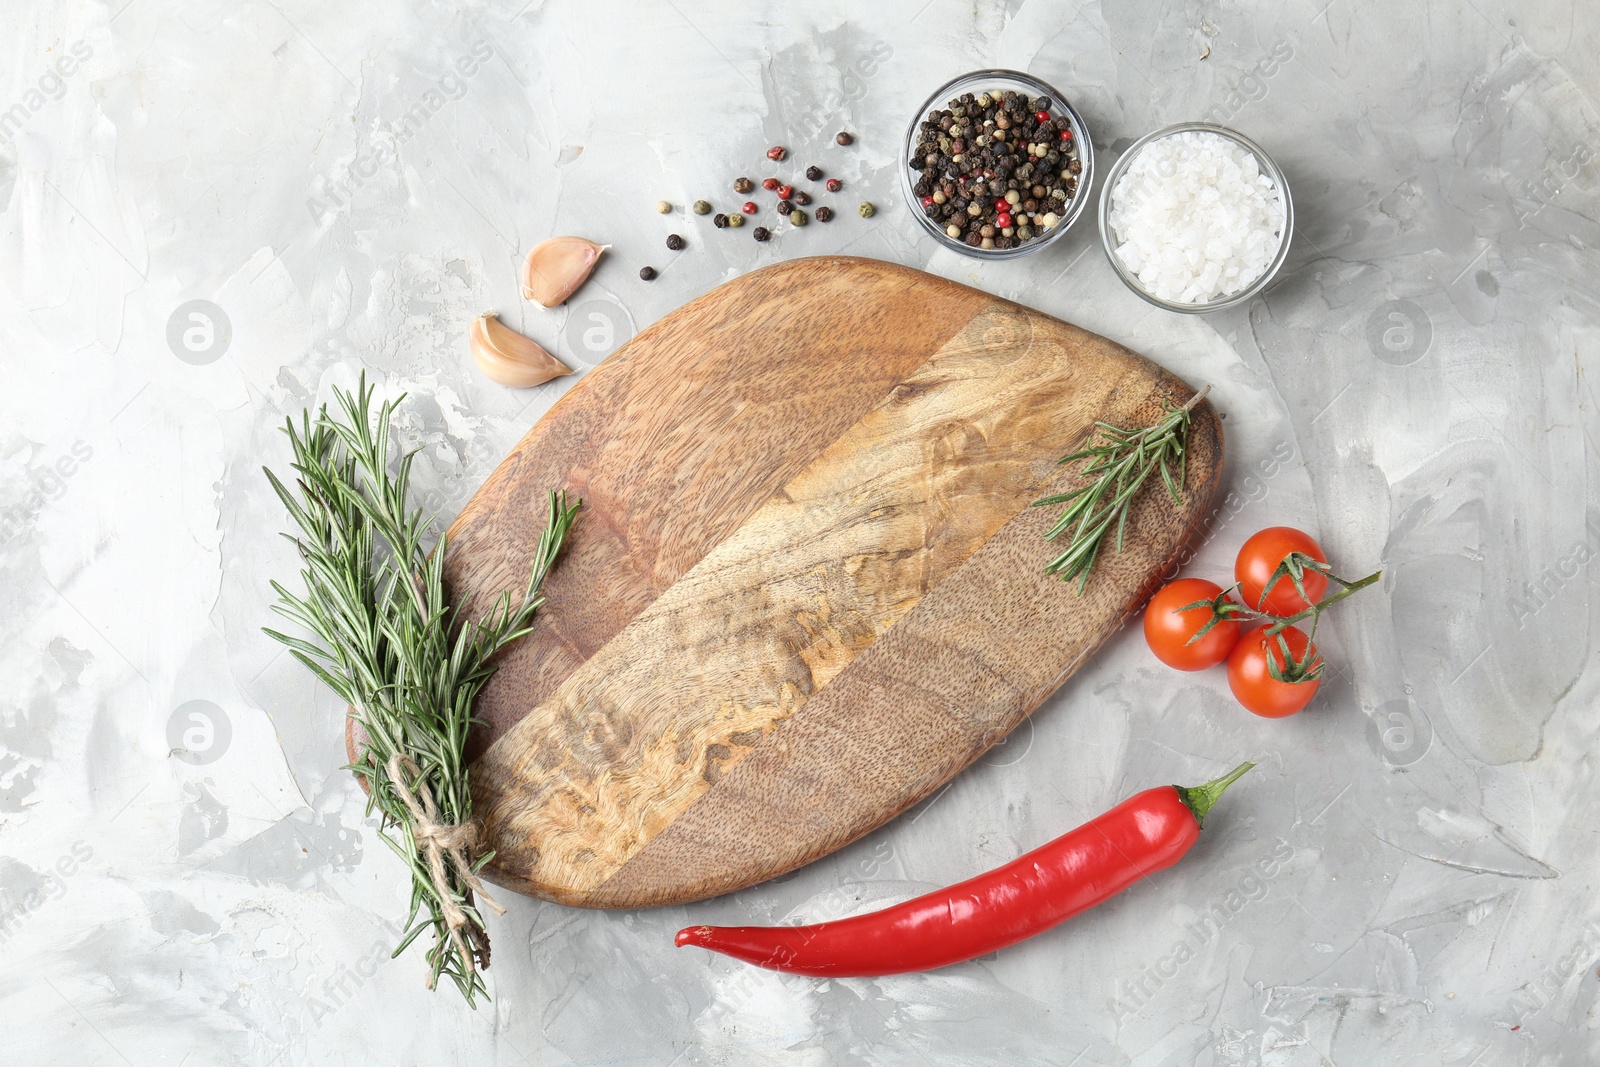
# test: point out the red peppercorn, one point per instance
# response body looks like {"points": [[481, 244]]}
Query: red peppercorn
{"points": [[1042, 116], [927, 201], [777, 152], [769, 184], [1004, 221], [1066, 135], [749, 207], [834, 185], [785, 192], [1002, 205]]}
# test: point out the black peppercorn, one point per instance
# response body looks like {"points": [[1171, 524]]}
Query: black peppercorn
{"points": [[801, 197], [674, 242], [647, 273], [813, 173], [743, 185], [824, 214], [785, 206], [993, 156], [761, 233], [843, 138], [720, 221]]}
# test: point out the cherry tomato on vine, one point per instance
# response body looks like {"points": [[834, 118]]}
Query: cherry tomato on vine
{"points": [[1260, 556], [1168, 630], [1252, 682]]}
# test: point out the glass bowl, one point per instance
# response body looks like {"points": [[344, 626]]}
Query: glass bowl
{"points": [[1268, 167], [980, 81]]}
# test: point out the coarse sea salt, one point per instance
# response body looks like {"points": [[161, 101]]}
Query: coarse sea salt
{"points": [[1194, 218]]}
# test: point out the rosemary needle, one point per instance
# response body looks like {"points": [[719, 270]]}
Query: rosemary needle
{"points": [[1119, 461], [384, 637]]}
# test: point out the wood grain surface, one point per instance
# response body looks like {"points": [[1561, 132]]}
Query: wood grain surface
{"points": [[806, 587]]}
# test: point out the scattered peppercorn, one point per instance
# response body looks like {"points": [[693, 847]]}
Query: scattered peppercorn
{"points": [[663, 207], [824, 214], [798, 217], [736, 221], [785, 206], [813, 173], [674, 242], [785, 192], [801, 197], [647, 273], [834, 185], [776, 153], [866, 210], [842, 138], [702, 207], [719, 220], [761, 233], [769, 184], [749, 207], [743, 185]]}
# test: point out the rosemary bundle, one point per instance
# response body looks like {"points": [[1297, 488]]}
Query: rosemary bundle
{"points": [[384, 637], [1119, 462]]}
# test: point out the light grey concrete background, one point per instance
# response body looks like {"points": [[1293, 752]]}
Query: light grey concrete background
{"points": [[1408, 878]]}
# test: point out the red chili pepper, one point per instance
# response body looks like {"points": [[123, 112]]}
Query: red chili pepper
{"points": [[1144, 834]]}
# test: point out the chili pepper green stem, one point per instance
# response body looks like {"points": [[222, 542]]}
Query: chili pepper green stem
{"points": [[1201, 798]]}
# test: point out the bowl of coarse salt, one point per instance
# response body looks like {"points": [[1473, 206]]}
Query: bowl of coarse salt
{"points": [[1196, 218]]}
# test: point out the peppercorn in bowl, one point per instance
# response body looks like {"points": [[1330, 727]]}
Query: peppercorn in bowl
{"points": [[997, 164]]}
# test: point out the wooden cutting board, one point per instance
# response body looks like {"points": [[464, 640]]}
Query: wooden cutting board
{"points": [[806, 587]]}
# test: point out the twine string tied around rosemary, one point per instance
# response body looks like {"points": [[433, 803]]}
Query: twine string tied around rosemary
{"points": [[441, 841]]}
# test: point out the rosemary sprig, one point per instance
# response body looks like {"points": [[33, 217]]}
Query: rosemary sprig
{"points": [[1119, 462], [384, 637]]}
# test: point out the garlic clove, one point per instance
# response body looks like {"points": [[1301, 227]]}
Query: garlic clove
{"points": [[555, 268], [508, 357]]}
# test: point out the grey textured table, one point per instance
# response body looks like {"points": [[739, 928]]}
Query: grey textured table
{"points": [[1409, 876]]}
